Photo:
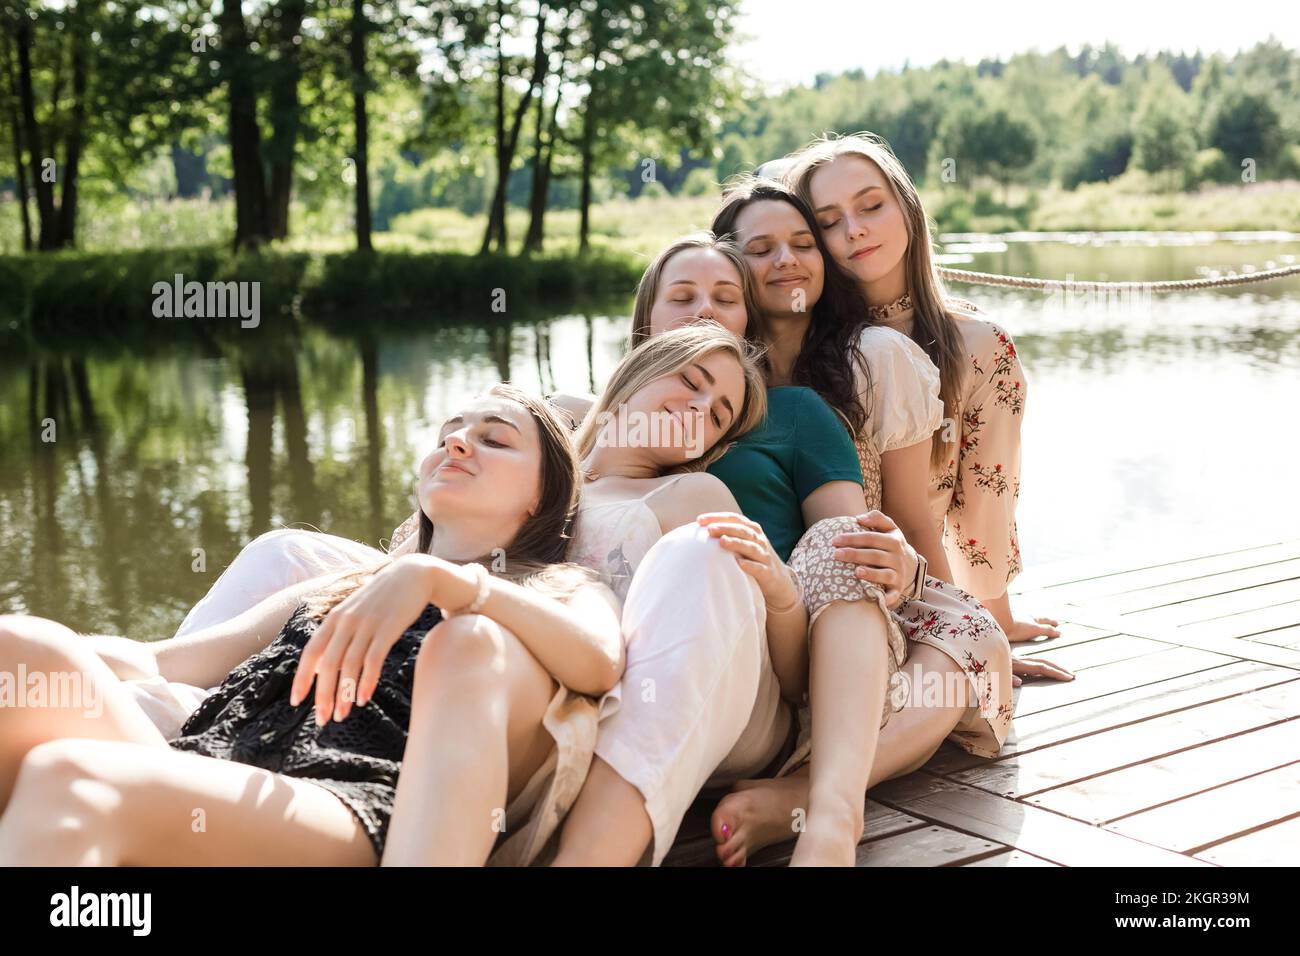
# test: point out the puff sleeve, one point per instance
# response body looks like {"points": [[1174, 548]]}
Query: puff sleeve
{"points": [[905, 407]]}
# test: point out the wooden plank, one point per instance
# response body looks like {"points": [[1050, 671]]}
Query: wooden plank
{"points": [[1106, 650], [931, 846], [1242, 624], [879, 822], [1111, 796], [1059, 724], [1087, 581], [1059, 764], [1040, 832], [1012, 858], [1276, 845], [1282, 637], [1036, 696], [1179, 592], [1216, 607], [1217, 637], [1216, 815], [1071, 633]]}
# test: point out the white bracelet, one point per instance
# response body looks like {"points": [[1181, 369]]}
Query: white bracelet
{"points": [[484, 582]]}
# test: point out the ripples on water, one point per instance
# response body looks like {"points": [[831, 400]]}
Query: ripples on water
{"points": [[1154, 426]]}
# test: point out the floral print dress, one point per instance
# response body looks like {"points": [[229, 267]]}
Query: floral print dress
{"points": [[905, 408], [973, 495]]}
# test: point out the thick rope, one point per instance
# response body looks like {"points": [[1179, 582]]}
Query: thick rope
{"points": [[1173, 285]]}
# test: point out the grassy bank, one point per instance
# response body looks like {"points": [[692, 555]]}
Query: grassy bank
{"points": [[53, 298]]}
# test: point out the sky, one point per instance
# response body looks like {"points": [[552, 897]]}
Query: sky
{"points": [[791, 42]]}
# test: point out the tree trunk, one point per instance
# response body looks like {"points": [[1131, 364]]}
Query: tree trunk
{"points": [[506, 160], [503, 169], [286, 114], [357, 48], [44, 190], [76, 129], [15, 128], [589, 133], [544, 155], [251, 222], [537, 196]]}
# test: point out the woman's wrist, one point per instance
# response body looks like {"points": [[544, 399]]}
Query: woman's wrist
{"points": [[472, 585], [792, 599]]}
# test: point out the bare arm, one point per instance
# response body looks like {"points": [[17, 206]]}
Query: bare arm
{"points": [[579, 641], [905, 477], [205, 657]]}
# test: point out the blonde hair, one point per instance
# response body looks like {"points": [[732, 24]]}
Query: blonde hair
{"points": [[933, 328], [670, 352], [535, 556], [648, 287]]}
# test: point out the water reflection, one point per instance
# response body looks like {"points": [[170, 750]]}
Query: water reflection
{"points": [[1145, 419]]}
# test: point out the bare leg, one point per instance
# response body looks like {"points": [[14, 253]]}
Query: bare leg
{"points": [[759, 813], [108, 803], [847, 690], [67, 691], [608, 822], [476, 739], [697, 695]]}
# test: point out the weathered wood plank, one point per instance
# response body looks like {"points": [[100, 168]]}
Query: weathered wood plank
{"points": [[930, 846], [1276, 845], [1091, 579], [1012, 858], [1029, 773], [1071, 633], [1036, 696], [1120, 793], [1040, 832], [1105, 650], [1282, 637], [1059, 724], [1214, 816], [1243, 624], [1179, 592], [1216, 607]]}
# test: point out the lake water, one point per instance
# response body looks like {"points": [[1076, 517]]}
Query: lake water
{"points": [[1154, 425]]}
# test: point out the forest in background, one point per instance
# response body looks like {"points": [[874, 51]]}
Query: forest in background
{"points": [[494, 126]]}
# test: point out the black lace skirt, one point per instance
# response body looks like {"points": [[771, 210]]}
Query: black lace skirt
{"points": [[249, 720]]}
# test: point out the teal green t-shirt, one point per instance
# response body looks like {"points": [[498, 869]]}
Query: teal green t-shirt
{"points": [[801, 445]]}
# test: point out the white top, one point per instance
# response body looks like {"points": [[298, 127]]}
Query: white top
{"points": [[612, 537], [905, 404]]}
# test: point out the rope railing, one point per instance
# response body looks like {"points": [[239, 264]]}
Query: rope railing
{"points": [[1171, 285]]}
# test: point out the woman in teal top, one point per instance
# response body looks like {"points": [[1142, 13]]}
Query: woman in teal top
{"points": [[801, 446], [799, 470]]}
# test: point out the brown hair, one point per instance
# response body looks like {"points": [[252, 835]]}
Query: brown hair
{"points": [[933, 328], [665, 354], [535, 556], [648, 287], [829, 359]]}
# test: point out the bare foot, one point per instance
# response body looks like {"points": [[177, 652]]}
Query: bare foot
{"points": [[758, 813], [831, 838]]}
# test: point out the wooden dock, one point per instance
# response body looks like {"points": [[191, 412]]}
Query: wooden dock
{"points": [[1177, 743]]}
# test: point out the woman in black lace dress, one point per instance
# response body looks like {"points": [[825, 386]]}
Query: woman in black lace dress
{"points": [[268, 771]]}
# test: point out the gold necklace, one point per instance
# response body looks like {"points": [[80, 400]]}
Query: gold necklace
{"points": [[883, 313]]}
